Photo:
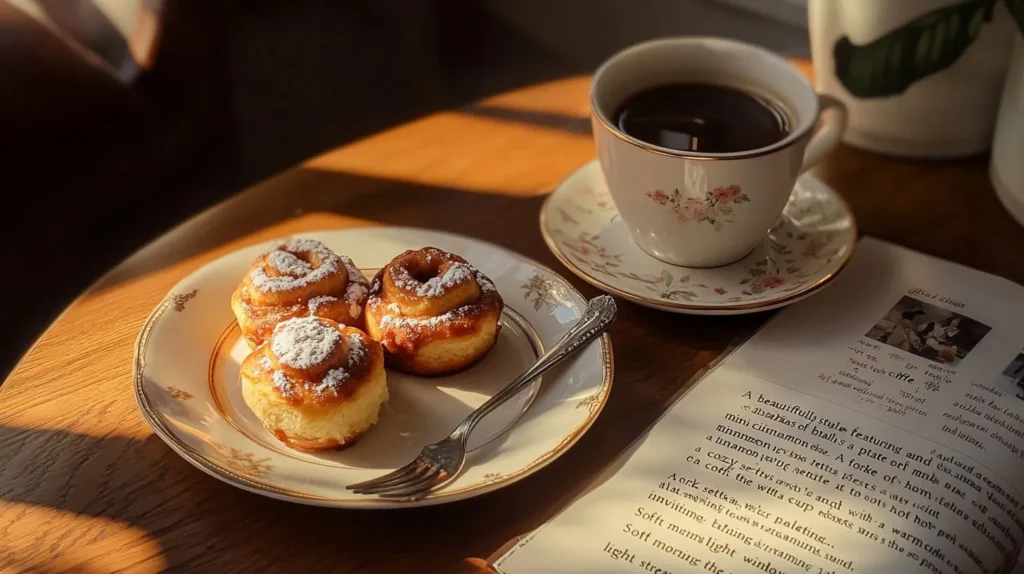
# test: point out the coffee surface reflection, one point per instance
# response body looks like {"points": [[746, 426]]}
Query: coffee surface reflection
{"points": [[702, 118]]}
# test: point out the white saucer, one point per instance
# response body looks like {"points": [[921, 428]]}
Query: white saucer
{"points": [[812, 241], [187, 383]]}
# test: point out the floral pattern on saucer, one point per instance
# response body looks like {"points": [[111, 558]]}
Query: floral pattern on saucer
{"points": [[715, 207], [810, 243]]}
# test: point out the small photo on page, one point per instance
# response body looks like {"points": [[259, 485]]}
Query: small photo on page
{"points": [[1012, 379], [930, 332]]}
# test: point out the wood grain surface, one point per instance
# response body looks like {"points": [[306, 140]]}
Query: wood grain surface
{"points": [[86, 486]]}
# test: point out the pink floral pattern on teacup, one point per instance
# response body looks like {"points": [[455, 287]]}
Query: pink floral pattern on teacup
{"points": [[808, 244], [715, 208], [728, 194]]}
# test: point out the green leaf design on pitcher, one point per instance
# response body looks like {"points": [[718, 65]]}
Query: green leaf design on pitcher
{"points": [[919, 48]]}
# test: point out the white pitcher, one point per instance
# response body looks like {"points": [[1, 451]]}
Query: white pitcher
{"points": [[920, 78], [1007, 166]]}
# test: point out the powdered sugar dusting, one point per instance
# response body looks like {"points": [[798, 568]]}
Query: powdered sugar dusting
{"points": [[393, 318], [356, 350], [332, 381], [266, 283], [315, 303], [296, 272], [354, 274], [436, 286], [282, 383], [287, 263], [303, 342], [354, 294], [265, 362], [485, 284], [335, 378], [401, 278], [300, 245]]}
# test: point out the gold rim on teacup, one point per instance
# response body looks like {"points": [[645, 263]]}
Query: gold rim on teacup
{"points": [[793, 137], [688, 234]]}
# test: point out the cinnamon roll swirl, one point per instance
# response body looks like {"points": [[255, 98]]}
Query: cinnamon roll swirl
{"points": [[299, 278], [316, 384], [433, 312]]}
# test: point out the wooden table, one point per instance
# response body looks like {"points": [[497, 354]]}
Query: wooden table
{"points": [[86, 485]]}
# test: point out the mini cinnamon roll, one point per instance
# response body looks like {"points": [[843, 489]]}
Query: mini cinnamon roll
{"points": [[316, 385], [299, 278], [433, 312]]}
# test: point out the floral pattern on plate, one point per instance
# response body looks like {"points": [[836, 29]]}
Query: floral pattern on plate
{"points": [[543, 292], [179, 394], [810, 243], [187, 366], [180, 299], [243, 462]]}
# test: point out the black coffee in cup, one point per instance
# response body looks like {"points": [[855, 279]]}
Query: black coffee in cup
{"points": [[704, 118]]}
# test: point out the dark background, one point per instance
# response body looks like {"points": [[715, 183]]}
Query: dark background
{"points": [[95, 167]]}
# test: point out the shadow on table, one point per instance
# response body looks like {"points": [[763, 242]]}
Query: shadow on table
{"points": [[143, 485], [374, 201], [564, 122], [481, 213]]}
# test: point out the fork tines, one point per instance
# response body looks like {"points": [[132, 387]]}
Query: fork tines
{"points": [[413, 480]]}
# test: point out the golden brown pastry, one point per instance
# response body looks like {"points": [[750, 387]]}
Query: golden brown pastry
{"points": [[316, 384], [432, 312], [299, 278]]}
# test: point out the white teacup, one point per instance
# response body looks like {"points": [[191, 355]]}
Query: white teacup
{"points": [[701, 209]]}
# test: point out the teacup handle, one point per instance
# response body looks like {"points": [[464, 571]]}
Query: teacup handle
{"points": [[831, 124]]}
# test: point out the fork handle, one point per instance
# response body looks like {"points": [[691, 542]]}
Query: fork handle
{"points": [[596, 319]]}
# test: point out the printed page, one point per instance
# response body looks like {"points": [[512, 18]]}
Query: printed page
{"points": [[876, 427]]}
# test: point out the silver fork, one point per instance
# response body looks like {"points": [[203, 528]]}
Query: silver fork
{"points": [[439, 463]]}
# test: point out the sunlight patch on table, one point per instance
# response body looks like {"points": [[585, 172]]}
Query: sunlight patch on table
{"points": [[565, 96], [465, 152], [41, 539]]}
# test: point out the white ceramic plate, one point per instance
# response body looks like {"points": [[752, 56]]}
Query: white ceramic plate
{"points": [[188, 389], [808, 247]]}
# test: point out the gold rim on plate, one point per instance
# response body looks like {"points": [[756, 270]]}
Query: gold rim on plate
{"points": [[204, 463]]}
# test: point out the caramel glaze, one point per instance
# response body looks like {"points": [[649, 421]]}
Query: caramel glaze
{"points": [[303, 382], [317, 445], [457, 311], [260, 311], [261, 319]]}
